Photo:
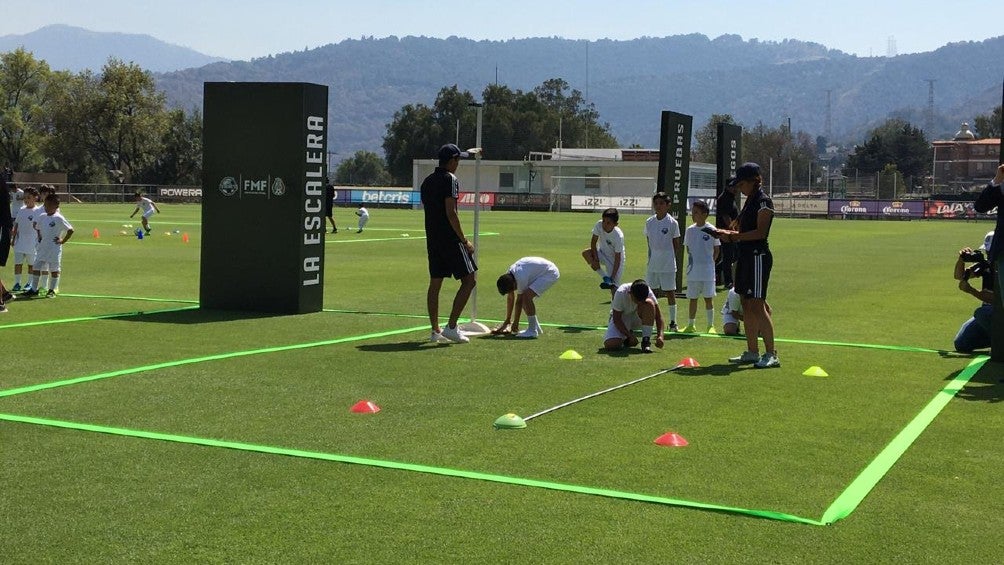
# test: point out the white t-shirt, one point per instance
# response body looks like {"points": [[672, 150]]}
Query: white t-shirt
{"points": [[146, 205], [660, 235], [700, 254], [622, 301], [50, 227], [609, 243], [527, 269], [363, 212], [27, 238]]}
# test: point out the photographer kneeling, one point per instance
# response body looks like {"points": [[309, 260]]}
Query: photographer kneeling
{"points": [[975, 332]]}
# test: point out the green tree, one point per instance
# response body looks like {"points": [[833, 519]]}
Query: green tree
{"points": [[895, 142], [706, 148], [365, 168], [791, 154], [891, 183], [514, 124], [988, 125], [27, 90], [118, 118], [180, 161]]}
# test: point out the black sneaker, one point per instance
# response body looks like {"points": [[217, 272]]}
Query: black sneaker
{"points": [[7, 297], [673, 328], [29, 293], [646, 345], [50, 294], [3, 309]]}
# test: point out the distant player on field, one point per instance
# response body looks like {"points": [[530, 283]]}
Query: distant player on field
{"points": [[149, 208], [364, 216]]}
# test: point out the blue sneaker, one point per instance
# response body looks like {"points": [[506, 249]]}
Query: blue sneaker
{"points": [[17, 288], [607, 283]]}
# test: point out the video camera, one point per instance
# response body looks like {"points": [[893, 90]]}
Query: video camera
{"points": [[980, 265]]}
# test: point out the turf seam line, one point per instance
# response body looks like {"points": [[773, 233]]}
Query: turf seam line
{"points": [[858, 489], [190, 361], [442, 471]]}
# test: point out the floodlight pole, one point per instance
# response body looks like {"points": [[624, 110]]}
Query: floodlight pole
{"points": [[474, 327]]}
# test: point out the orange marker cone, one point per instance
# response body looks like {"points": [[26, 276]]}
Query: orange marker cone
{"points": [[687, 362], [365, 407], [671, 439], [96, 234], [184, 237]]}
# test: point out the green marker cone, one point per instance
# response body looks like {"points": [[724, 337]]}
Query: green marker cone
{"points": [[509, 422]]}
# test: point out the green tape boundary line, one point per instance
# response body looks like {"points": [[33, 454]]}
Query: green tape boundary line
{"points": [[443, 471], [217, 357], [859, 488]]}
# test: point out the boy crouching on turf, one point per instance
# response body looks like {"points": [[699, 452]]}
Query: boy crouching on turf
{"points": [[633, 306], [53, 231], [525, 280]]}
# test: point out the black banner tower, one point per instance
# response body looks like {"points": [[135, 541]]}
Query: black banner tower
{"points": [[264, 165], [674, 171]]}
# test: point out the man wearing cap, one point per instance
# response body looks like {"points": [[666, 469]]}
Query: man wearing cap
{"points": [[975, 332], [753, 266], [993, 195], [450, 252], [726, 211]]}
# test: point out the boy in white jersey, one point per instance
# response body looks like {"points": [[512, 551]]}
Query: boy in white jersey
{"points": [[525, 280], [148, 207], [662, 232], [24, 237], [606, 255], [702, 254], [633, 306], [364, 216], [53, 231]]}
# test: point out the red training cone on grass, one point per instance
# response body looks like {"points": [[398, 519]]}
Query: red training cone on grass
{"points": [[688, 362], [96, 234], [184, 237], [365, 407], [671, 439]]}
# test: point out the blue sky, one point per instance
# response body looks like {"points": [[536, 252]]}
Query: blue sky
{"points": [[242, 29]]}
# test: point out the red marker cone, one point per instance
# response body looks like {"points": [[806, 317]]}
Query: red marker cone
{"points": [[365, 407], [688, 362], [671, 439], [184, 237], [96, 234]]}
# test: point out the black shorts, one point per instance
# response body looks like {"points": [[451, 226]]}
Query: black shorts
{"points": [[450, 260], [753, 272]]}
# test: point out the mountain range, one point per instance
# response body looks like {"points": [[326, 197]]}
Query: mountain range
{"points": [[629, 82], [74, 49]]}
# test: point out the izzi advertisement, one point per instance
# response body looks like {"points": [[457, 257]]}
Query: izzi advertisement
{"points": [[263, 175]]}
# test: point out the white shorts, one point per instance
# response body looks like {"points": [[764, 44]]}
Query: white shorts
{"points": [[608, 264], [49, 259], [728, 318], [700, 289], [363, 220], [631, 322], [149, 213], [543, 282], [661, 280], [24, 258]]}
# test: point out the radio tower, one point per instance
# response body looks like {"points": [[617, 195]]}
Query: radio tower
{"points": [[929, 113], [890, 50], [828, 130]]}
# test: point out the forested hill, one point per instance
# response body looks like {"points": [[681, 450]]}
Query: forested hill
{"points": [[630, 82]]}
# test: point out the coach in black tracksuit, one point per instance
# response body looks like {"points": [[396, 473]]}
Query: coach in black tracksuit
{"points": [[993, 195], [450, 252], [754, 266]]}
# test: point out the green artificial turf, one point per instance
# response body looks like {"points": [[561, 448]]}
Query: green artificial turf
{"points": [[125, 347]]}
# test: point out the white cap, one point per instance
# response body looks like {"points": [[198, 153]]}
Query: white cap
{"points": [[987, 241]]}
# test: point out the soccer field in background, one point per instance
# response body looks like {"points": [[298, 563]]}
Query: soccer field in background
{"points": [[137, 427]]}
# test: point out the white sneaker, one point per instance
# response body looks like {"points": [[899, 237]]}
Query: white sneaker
{"points": [[529, 333], [437, 337], [454, 335], [768, 360], [746, 357]]}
